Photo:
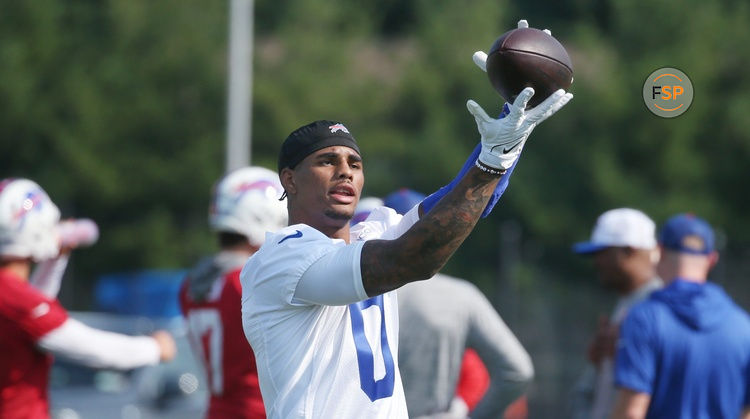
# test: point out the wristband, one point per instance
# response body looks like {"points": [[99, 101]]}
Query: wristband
{"points": [[429, 202], [487, 169]]}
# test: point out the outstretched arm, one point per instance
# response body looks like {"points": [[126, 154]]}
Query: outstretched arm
{"points": [[425, 247], [430, 201], [480, 59], [102, 349], [421, 251]]}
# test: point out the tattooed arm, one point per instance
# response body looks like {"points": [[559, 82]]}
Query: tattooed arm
{"points": [[427, 245], [423, 250]]}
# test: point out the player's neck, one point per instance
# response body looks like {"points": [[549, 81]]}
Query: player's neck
{"points": [[691, 268], [332, 230], [688, 275], [19, 268], [333, 227], [336, 233]]}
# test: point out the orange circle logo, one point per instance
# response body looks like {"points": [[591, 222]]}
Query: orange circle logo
{"points": [[668, 92]]}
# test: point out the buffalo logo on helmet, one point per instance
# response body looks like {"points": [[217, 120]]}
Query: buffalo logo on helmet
{"points": [[32, 201], [267, 187], [338, 127], [262, 185]]}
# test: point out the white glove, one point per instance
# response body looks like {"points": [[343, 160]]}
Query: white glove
{"points": [[503, 139]]}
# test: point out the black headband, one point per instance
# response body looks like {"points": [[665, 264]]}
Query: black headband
{"points": [[312, 137]]}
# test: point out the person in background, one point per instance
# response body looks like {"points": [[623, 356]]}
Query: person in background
{"points": [[33, 325], [448, 331], [244, 207], [623, 247], [685, 351]]}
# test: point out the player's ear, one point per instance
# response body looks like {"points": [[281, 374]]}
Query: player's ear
{"points": [[655, 255], [713, 259], [287, 181]]}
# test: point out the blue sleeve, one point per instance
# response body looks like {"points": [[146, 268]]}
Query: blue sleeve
{"points": [[429, 202], [635, 362]]}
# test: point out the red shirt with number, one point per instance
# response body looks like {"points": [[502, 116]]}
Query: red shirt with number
{"points": [[211, 303], [25, 316]]}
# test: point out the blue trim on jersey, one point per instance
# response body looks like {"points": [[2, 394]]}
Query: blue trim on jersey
{"points": [[296, 235], [382, 388]]}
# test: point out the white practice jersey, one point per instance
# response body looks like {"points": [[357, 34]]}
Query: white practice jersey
{"points": [[317, 360]]}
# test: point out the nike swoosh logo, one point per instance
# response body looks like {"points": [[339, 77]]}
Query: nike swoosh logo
{"points": [[296, 235], [508, 150]]}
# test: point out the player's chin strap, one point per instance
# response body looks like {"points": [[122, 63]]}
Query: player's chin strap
{"points": [[429, 202]]}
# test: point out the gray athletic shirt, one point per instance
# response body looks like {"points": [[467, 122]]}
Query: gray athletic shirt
{"points": [[439, 318]]}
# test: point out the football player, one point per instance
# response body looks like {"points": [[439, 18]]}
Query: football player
{"points": [[33, 325], [245, 205], [318, 305]]}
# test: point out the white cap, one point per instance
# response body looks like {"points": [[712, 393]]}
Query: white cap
{"points": [[621, 227]]}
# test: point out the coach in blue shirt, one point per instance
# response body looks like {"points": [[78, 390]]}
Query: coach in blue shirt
{"points": [[685, 351]]}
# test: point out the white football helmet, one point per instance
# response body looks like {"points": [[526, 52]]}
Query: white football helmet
{"points": [[246, 202], [28, 221]]}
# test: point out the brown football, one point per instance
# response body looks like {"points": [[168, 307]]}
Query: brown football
{"points": [[528, 57]]}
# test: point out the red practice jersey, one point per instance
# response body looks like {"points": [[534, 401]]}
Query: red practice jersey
{"points": [[25, 316], [211, 304]]}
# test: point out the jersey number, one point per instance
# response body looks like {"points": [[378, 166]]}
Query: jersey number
{"points": [[365, 360], [206, 336]]}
